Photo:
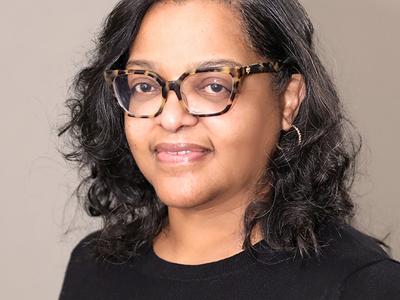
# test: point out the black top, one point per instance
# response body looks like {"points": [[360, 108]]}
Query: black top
{"points": [[352, 266]]}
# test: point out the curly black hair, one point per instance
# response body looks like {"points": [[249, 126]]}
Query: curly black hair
{"points": [[309, 184]]}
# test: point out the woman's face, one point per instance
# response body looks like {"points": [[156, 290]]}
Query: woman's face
{"points": [[174, 38]]}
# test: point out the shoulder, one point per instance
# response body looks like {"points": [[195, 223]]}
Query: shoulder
{"points": [[347, 244], [363, 269], [85, 252], [377, 280], [85, 270]]}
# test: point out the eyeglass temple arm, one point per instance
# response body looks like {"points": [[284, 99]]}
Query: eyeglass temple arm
{"points": [[108, 76], [269, 67]]}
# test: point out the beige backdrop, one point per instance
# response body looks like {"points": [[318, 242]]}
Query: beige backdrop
{"points": [[43, 43]]}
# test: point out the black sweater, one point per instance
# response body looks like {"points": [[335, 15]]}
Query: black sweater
{"points": [[352, 266]]}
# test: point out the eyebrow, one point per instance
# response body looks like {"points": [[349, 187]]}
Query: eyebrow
{"points": [[202, 64]]}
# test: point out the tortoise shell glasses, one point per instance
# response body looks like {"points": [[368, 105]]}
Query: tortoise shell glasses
{"points": [[203, 92]]}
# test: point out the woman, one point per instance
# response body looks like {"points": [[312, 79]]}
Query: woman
{"points": [[219, 159]]}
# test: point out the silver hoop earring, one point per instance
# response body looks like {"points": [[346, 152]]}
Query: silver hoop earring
{"points": [[299, 137], [298, 134]]}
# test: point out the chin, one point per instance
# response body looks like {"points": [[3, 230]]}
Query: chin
{"points": [[184, 191], [178, 198]]}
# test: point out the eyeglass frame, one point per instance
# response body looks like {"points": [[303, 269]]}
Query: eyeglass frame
{"points": [[237, 73]]}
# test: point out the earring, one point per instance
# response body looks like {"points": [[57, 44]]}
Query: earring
{"points": [[298, 136]]}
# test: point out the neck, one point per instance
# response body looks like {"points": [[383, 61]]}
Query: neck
{"points": [[196, 236]]}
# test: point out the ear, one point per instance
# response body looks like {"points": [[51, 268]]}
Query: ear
{"points": [[292, 98]]}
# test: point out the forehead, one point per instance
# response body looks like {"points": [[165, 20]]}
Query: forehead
{"points": [[177, 35]]}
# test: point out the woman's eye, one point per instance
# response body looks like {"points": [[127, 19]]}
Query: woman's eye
{"points": [[216, 88], [143, 88]]}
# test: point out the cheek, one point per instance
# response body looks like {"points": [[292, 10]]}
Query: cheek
{"points": [[248, 132], [248, 126], [130, 134], [136, 136]]}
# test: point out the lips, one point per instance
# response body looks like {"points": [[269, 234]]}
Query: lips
{"points": [[179, 148], [179, 153]]}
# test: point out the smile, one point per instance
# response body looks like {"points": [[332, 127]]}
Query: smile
{"points": [[179, 152], [184, 156]]}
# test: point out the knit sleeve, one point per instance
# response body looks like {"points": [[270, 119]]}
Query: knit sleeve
{"points": [[377, 280]]}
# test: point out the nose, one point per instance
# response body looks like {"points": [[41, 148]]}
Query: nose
{"points": [[174, 115]]}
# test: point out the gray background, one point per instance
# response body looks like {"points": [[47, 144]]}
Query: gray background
{"points": [[43, 44]]}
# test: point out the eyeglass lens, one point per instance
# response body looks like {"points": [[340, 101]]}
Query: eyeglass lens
{"points": [[202, 93]]}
